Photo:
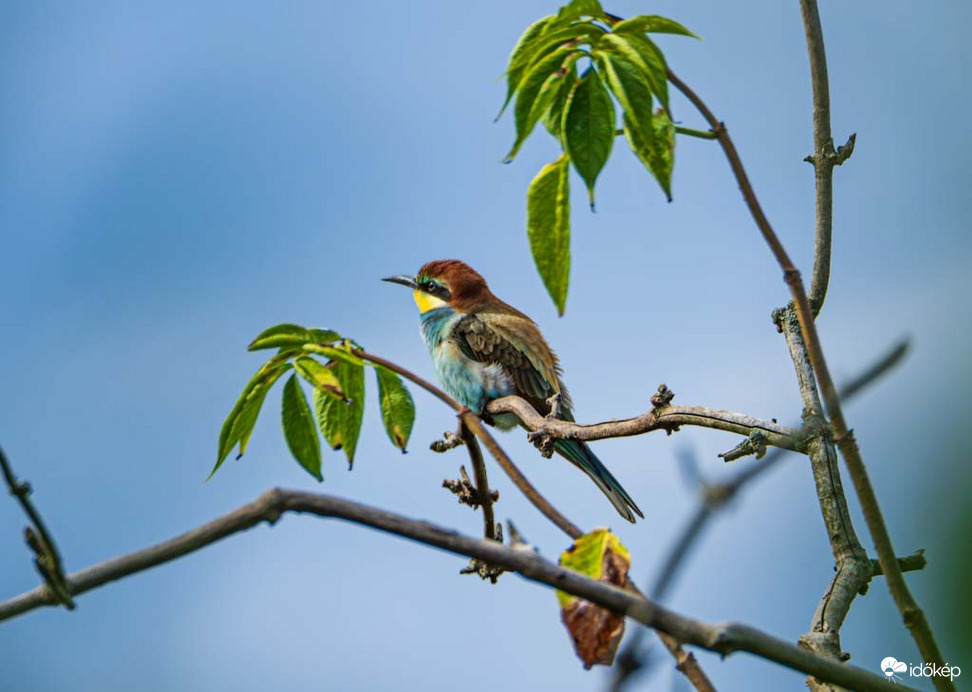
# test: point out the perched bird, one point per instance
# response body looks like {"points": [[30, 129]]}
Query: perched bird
{"points": [[484, 349]]}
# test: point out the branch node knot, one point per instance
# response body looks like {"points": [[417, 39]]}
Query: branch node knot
{"points": [[273, 501], [847, 435], [786, 319], [543, 441], [791, 276], [831, 157], [483, 570], [450, 440], [844, 152], [662, 398], [517, 540], [466, 490], [755, 444]]}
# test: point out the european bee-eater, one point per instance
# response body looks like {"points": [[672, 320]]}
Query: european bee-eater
{"points": [[484, 349]]}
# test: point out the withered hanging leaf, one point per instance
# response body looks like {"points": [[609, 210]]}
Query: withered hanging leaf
{"points": [[596, 632]]}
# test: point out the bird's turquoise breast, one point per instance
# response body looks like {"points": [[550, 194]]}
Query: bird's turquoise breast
{"points": [[469, 382]]}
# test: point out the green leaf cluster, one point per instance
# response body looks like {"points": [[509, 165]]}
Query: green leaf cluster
{"points": [[338, 397], [623, 66]]}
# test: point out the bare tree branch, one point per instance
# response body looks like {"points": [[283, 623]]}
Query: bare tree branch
{"points": [[913, 616], [666, 418], [852, 567], [824, 156], [722, 638]]}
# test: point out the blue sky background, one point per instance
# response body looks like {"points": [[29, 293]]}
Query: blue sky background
{"points": [[174, 178]]}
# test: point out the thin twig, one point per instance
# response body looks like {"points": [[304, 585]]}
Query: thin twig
{"points": [[485, 497], [913, 617], [909, 563], [666, 418], [824, 156], [721, 638], [47, 559]]}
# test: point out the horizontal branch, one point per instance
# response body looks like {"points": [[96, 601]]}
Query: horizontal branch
{"points": [[720, 638], [668, 418]]}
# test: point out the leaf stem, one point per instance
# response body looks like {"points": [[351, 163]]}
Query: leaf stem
{"points": [[687, 131], [690, 132]]}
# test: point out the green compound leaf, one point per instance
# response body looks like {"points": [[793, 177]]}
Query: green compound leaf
{"points": [[299, 430], [652, 24], [340, 421], [655, 148], [548, 227], [630, 86], [518, 58], [553, 119], [538, 90], [595, 631], [576, 9], [239, 424], [319, 376], [589, 128], [551, 39], [397, 407], [342, 353], [291, 335], [639, 50]]}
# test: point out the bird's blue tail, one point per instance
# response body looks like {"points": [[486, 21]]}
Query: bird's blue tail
{"points": [[581, 456]]}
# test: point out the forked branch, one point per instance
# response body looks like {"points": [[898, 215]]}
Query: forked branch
{"points": [[913, 617], [714, 497]]}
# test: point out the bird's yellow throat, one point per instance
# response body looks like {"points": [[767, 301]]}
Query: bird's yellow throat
{"points": [[427, 302]]}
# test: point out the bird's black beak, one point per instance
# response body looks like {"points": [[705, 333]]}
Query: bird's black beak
{"points": [[403, 279]]}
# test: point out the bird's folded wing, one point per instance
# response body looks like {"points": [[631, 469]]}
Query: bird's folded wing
{"points": [[515, 343]]}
